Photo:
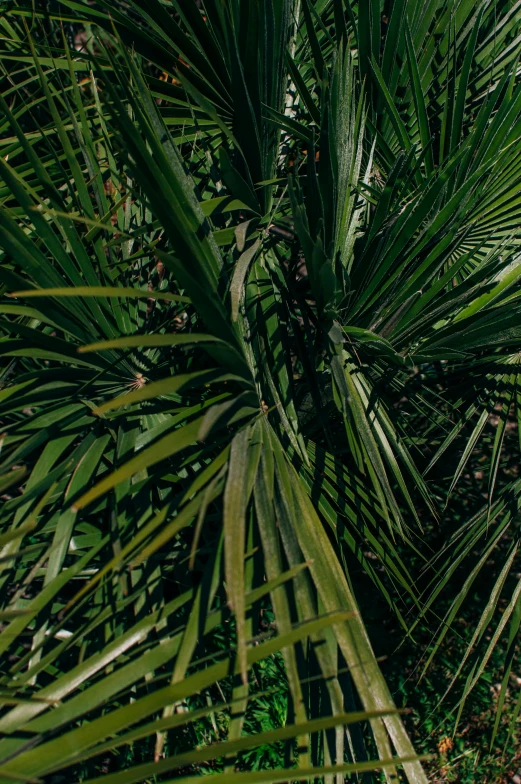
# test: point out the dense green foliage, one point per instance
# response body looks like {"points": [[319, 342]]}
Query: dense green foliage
{"points": [[260, 332]]}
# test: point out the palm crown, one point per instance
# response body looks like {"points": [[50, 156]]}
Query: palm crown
{"points": [[245, 249]]}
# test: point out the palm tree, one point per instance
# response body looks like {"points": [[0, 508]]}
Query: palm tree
{"points": [[236, 240]]}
